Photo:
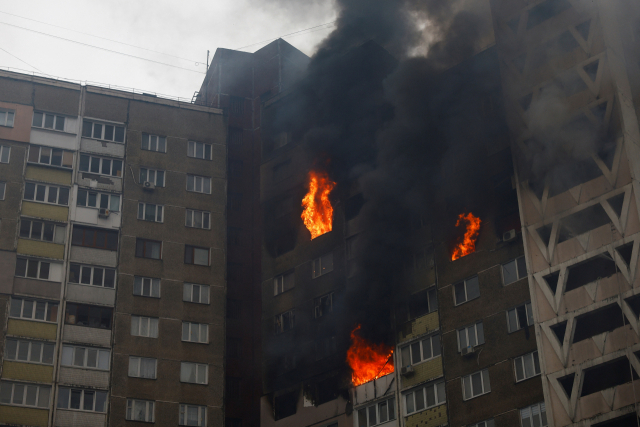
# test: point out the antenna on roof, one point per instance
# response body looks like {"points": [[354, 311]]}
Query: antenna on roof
{"points": [[207, 59]]}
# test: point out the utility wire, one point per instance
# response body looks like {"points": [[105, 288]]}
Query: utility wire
{"points": [[103, 38], [102, 48], [9, 53], [286, 35]]}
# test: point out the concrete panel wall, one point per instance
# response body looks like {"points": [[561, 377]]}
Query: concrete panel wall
{"points": [[43, 210], [26, 328], [99, 182], [79, 419], [82, 334], [113, 149], [48, 174], [84, 377], [93, 256], [16, 415], [43, 249], [91, 294], [7, 269], [21, 122], [58, 139], [39, 288], [27, 372]]}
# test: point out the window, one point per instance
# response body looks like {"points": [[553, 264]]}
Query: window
{"points": [[197, 256], [424, 397], [84, 400], [199, 184], [323, 305], [192, 415], [420, 351], [85, 357], [284, 322], [195, 293], [144, 326], [39, 230], [31, 309], [471, 336], [149, 212], [48, 121], [32, 268], [487, 423], [146, 287], [154, 143], [519, 316], [527, 366], [423, 302], [322, 265], [96, 276], [199, 150], [467, 290], [5, 150], [196, 373], [534, 415], [6, 118], [142, 367], [50, 156], [46, 193], [100, 165], [148, 249], [152, 175], [104, 131], [283, 283], [198, 219], [94, 199], [379, 413], [91, 316], [97, 238], [475, 384], [3, 187], [140, 410], [29, 351], [25, 394], [514, 270], [195, 332]]}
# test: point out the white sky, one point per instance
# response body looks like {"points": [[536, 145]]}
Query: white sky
{"points": [[184, 28]]}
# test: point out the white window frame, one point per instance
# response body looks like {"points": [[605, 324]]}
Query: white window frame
{"points": [[203, 330], [151, 283], [99, 197], [192, 150], [486, 423], [155, 180], [158, 212], [279, 323], [149, 321], [5, 153], [46, 193], [7, 117], [190, 289], [3, 190], [103, 129], [193, 255], [518, 266], [156, 141], [59, 230], [40, 264], [72, 350], [25, 388], [30, 351], [82, 390], [190, 218], [40, 161], [317, 305], [527, 414], [48, 308], [198, 369], [477, 336], [375, 408], [528, 312], [318, 269], [280, 281], [466, 291], [521, 362], [42, 125], [135, 367], [485, 384], [438, 388], [93, 275], [202, 414], [101, 165], [149, 413], [198, 179], [411, 348]]}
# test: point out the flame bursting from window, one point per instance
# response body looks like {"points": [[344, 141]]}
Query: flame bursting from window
{"points": [[368, 361], [318, 212], [468, 244]]}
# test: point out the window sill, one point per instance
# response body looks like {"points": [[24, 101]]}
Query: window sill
{"points": [[85, 368], [195, 342], [101, 140], [55, 130], [148, 220], [30, 363], [151, 151], [100, 174], [91, 247], [92, 286], [42, 280], [526, 379], [77, 410], [34, 320], [46, 203], [63, 168], [6, 126], [86, 326], [469, 300], [15, 405], [199, 303], [198, 158], [186, 382], [475, 397]]}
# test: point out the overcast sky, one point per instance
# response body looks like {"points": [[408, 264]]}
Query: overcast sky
{"points": [[184, 29]]}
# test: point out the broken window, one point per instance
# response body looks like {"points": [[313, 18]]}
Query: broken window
{"points": [[285, 405], [323, 305], [423, 302], [607, 375], [596, 268], [581, 222], [520, 316], [466, 290], [604, 319], [284, 322]]}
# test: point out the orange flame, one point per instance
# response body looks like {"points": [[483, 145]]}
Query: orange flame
{"points": [[468, 244], [318, 212], [368, 361]]}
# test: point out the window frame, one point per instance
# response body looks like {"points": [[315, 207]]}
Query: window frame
{"points": [[192, 150], [410, 346], [99, 195], [189, 325], [138, 360], [317, 269], [193, 255], [412, 392], [520, 360], [149, 326], [29, 343], [91, 314], [101, 165], [519, 276], [541, 407], [317, 305], [55, 225], [466, 291], [47, 192], [155, 175], [159, 141], [485, 423], [43, 121], [47, 310], [83, 399], [85, 230], [202, 414], [149, 410], [63, 153], [191, 213], [466, 332], [24, 393], [92, 275], [198, 366], [153, 283], [40, 263], [190, 286], [484, 384], [279, 282], [279, 322], [103, 130], [528, 313], [144, 243], [85, 357], [158, 211], [391, 414], [6, 113], [202, 184]]}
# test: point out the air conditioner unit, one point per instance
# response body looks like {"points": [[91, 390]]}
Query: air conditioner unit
{"points": [[406, 371], [103, 213], [148, 185], [468, 351], [509, 235]]}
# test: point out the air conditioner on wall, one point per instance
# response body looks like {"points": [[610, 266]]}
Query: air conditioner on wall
{"points": [[406, 371], [103, 213], [509, 235], [468, 351], [148, 185]]}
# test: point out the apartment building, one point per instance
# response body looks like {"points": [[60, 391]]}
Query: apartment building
{"points": [[114, 248]]}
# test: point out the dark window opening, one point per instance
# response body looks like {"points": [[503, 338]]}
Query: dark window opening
{"points": [[629, 420], [592, 68], [281, 171], [352, 206], [604, 319], [285, 242], [322, 390], [583, 221], [559, 329], [552, 281], [88, 315], [616, 203], [607, 375], [423, 302], [232, 422], [567, 383], [625, 252], [545, 233], [596, 268], [285, 405], [546, 10], [570, 175], [148, 249], [634, 303], [583, 29], [94, 238]]}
